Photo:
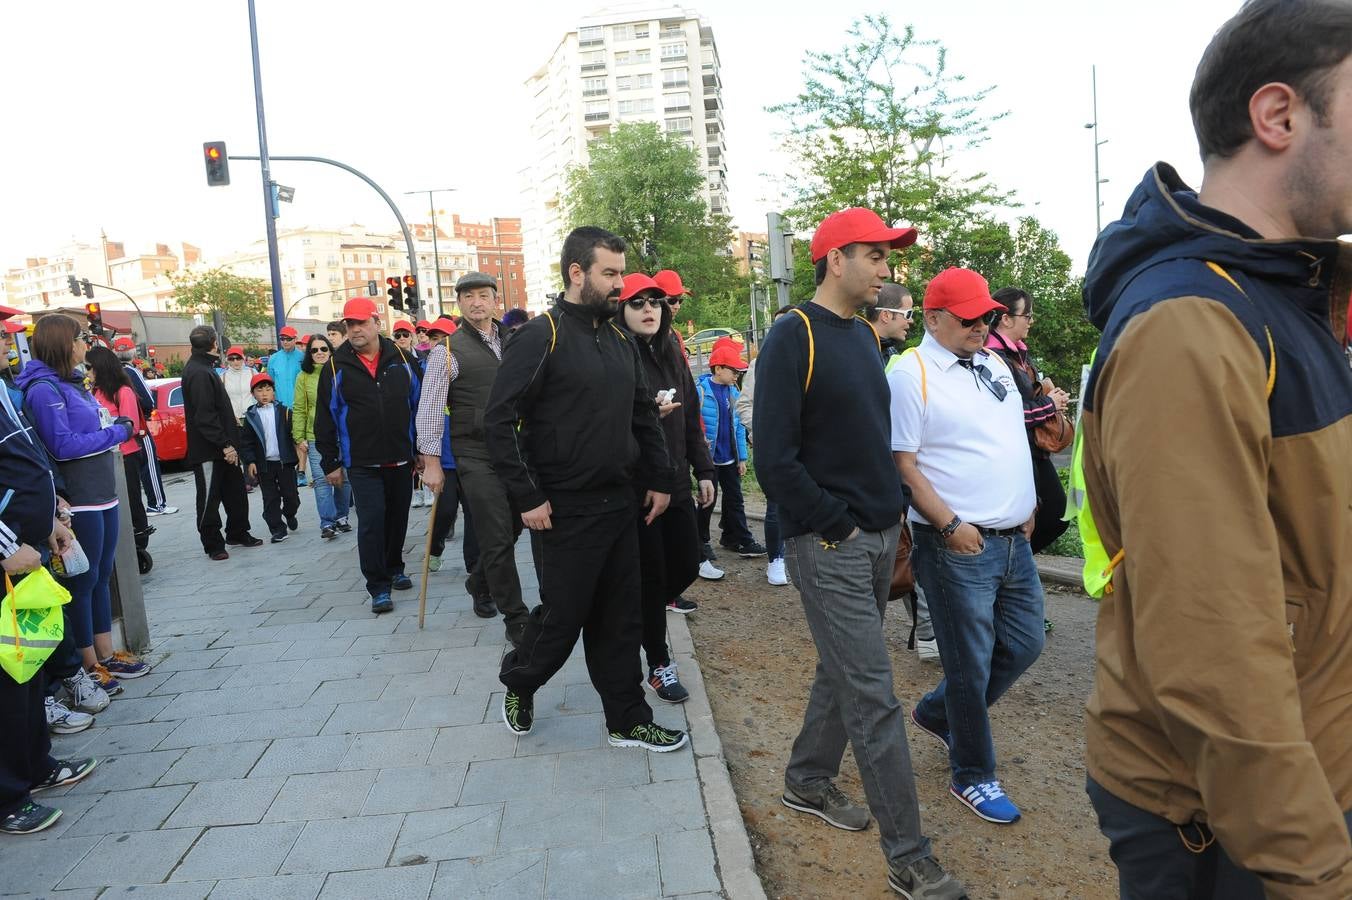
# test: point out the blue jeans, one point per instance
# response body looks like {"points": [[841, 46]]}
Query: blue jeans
{"points": [[774, 543], [91, 604], [331, 502], [987, 613]]}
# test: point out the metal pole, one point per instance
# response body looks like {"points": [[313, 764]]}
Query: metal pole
{"points": [[403, 226], [278, 311], [436, 258], [1098, 201], [144, 326]]}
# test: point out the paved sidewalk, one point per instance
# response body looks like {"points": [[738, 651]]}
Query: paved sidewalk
{"points": [[289, 744]]}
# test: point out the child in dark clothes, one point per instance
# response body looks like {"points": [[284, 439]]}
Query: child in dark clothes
{"points": [[270, 457]]}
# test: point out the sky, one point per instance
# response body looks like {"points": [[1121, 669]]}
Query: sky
{"points": [[109, 104]]}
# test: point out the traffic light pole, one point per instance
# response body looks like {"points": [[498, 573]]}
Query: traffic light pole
{"points": [[135, 305], [403, 226], [278, 310]]}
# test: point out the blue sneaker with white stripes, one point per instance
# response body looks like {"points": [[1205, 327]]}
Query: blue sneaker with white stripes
{"points": [[988, 801]]}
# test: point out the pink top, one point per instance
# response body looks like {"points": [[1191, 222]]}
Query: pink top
{"points": [[126, 406]]}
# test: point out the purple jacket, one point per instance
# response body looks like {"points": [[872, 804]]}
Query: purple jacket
{"points": [[67, 420]]}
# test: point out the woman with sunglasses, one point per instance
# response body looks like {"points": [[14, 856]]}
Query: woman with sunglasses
{"points": [[236, 375], [669, 548], [1041, 401], [331, 502]]}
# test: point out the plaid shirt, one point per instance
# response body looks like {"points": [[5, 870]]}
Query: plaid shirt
{"points": [[442, 369]]}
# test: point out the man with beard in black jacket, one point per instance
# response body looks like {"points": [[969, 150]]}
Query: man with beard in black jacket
{"points": [[368, 394], [572, 430], [213, 449]]}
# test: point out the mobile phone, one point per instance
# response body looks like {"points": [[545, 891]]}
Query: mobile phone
{"points": [[666, 396]]}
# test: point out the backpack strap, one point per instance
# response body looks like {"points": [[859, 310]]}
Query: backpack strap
{"points": [[1272, 350], [878, 338], [924, 379], [811, 347], [553, 331]]}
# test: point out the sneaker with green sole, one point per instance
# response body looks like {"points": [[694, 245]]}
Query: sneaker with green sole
{"points": [[29, 818], [649, 736], [518, 712]]}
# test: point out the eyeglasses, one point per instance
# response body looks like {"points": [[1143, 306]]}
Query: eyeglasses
{"points": [[314, 350], [1028, 316], [401, 333], [907, 314], [983, 376], [236, 356], [639, 302], [986, 318], [287, 338], [674, 301]]}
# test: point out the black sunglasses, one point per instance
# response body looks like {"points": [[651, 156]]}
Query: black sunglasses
{"points": [[235, 356], [402, 333], [639, 302], [319, 349], [983, 375], [986, 318]]}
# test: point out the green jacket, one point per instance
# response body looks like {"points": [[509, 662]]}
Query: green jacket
{"points": [[303, 413]]}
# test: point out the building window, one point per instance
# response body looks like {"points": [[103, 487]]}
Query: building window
{"points": [[624, 83], [623, 57], [672, 29], [675, 77], [593, 87], [642, 57], [594, 61], [673, 51], [368, 258], [596, 111], [676, 101], [633, 107], [631, 32], [645, 82], [679, 125], [591, 36]]}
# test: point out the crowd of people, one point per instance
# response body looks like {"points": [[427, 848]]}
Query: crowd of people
{"points": [[1208, 481]]}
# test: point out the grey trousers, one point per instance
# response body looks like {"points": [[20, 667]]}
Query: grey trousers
{"points": [[844, 593], [497, 528]]}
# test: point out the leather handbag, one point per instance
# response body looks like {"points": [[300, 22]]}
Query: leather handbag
{"points": [[903, 578], [1055, 434]]}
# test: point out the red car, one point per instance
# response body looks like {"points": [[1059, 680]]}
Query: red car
{"points": [[166, 422]]}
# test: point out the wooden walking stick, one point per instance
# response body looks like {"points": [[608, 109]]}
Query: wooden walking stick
{"points": [[427, 558]]}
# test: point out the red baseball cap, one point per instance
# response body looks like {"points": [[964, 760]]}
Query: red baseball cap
{"points": [[403, 325], [236, 350], [670, 283], [443, 324], [727, 355], [359, 309], [636, 283], [857, 225], [261, 378], [12, 327], [728, 341], [7, 311], [962, 292], [424, 324], [124, 343], [287, 331]]}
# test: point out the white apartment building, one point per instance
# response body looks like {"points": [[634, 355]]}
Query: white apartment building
{"points": [[636, 63], [42, 282]]}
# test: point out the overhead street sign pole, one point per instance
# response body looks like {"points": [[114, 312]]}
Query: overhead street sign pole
{"points": [[274, 265]]}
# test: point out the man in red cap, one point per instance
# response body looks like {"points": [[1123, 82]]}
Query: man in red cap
{"points": [[460, 377], [364, 425], [962, 449], [823, 454], [284, 366]]}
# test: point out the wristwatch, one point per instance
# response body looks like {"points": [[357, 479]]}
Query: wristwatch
{"points": [[951, 527]]}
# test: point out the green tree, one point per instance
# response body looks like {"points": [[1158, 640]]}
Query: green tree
{"points": [[875, 126], [647, 187], [244, 303]]}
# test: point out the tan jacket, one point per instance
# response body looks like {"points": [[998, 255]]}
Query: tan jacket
{"points": [[1223, 691]]}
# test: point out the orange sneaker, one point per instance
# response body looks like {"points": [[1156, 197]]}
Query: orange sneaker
{"points": [[111, 686]]}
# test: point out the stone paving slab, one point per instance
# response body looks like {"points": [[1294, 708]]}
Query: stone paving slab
{"points": [[291, 745]]}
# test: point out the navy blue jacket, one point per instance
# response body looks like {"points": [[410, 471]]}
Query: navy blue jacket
{"points": [[365, 421], [253, 444]]}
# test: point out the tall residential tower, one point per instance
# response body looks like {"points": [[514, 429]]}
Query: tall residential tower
{"points": [[631, 63]]}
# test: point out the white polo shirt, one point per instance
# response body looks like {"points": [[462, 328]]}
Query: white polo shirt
{"points": [[972, 447]]}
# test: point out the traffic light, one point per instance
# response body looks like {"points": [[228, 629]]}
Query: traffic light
{"points": [[94, 312], [87, 287], [74, 285], [218, 165], [396, 300], [411, 291]]}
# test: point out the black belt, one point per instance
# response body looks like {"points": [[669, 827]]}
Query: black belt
{"points": [[988, 532]]}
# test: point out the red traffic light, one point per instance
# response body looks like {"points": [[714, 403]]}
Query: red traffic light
{"points": [[93, 309], [392, 282], [409, 281], [213, 152], [218, 163]]}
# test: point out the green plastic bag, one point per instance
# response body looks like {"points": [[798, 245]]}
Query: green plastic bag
{"points": [[31, 623]]}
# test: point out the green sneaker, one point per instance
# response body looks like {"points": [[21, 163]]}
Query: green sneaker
{"points": [[434, 563], [649, 736], [518, 711]]}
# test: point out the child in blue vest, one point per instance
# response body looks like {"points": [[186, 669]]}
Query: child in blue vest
{"points": [[727, 443]]}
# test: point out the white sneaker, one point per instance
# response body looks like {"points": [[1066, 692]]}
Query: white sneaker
{"points": [[86, 694], [61, 720], [162, 511], [417, 499], [710, 571], [775, 574], [927, 650]]}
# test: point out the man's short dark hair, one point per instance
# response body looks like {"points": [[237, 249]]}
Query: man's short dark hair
{"points": [[1294, 42], [819, 269], [202, 338], [580, 247], [337, 325], [890, 296]]}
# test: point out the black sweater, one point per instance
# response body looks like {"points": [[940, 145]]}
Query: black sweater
{"points": [[825, 455], [208, 417], [571, 417]]}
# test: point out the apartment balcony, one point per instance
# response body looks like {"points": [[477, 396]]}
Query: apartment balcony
{"points": [[596, 117], [593, 67], [595, 93], [593, 42]]}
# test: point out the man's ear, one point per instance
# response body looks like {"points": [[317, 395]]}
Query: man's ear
{"points": [[1272, 111]]}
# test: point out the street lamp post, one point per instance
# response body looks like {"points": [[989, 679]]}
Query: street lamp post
{"points": [[436, 259], [1098, 182]]}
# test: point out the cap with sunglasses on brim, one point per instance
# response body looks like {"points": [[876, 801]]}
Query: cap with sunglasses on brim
{"points": [[636, 283], [423, 325], [403, 325], [962, 292], [235, 351], [359, 309], [287, 332], [857, 225]]}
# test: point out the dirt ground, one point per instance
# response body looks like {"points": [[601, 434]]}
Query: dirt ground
{"points": [[757, 658]]}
